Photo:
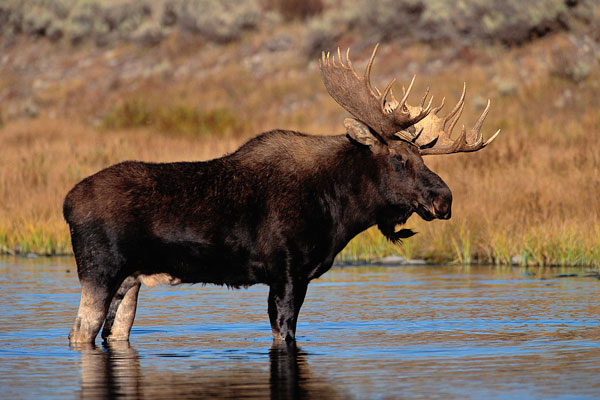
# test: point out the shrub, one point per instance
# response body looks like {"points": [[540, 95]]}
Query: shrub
{"points": [[498, 21], [295, 9], [392, 19], [575, 59], [130, 114], [146, 21], [220, 21], [192, 122], [180, 119]]}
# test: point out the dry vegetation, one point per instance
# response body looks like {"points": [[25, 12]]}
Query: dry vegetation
{"points": [[533, 197]]}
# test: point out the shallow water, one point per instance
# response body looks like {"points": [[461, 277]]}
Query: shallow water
{"points": [[364, 332]]}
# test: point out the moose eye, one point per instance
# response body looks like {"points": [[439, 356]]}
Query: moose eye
{"points": [[398, 163]]}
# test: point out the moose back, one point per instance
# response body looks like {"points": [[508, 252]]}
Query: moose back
{"points": [[277, 211]]}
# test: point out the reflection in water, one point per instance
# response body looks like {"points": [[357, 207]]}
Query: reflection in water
{"points": [[109, 372], [114, 371], [288, 371], [291, 377]]}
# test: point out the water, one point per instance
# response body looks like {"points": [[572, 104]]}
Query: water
{"points": [[364, 332]]}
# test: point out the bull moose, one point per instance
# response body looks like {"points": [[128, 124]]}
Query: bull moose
{"points": [[276, 211]]}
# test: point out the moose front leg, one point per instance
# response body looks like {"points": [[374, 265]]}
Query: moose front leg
{"points": [[285, 300]]}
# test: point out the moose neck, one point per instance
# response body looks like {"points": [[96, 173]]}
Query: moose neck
{"points": [[355, 200], [338, 181]]}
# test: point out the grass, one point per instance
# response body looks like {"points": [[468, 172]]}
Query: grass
{"points": [[535, 247], [179, 119], [531, 198]]}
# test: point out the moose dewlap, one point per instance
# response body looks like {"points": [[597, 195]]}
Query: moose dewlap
{"points": [[277, 211]]}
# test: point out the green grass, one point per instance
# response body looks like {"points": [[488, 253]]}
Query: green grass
{"points": [[563, 248], [179, 119], [40, 238]]}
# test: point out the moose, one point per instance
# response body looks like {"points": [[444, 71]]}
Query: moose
{"points": [[277, 211]]}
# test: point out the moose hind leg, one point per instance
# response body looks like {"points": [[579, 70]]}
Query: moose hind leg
{"points": [[92, 311], [121, 312], [285, 300]]}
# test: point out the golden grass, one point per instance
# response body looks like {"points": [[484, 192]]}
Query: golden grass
{"points": [[532, 197], [42, 159]]}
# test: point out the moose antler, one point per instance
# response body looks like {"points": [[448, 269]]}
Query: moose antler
{"points": [[371, 107], [438, 131], [396, 119]]}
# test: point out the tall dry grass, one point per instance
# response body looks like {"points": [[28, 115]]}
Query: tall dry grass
{"points": [[532, 197], [41, 160]]}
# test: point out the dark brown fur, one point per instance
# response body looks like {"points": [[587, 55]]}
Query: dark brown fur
{"points": [[277, 212]]}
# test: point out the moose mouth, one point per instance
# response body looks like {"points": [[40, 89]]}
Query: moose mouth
{"points": [[427, 213]]}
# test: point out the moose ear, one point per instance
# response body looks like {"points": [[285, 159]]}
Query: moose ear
{"points": [[359, 132]]}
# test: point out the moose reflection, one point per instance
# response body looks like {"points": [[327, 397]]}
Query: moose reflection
{"points": [[115, 371]]}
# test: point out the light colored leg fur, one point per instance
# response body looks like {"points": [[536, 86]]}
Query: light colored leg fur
{"points": [[125, 315], [90, 317]]}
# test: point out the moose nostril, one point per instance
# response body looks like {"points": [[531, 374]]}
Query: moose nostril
{"points": [[442, 208]]}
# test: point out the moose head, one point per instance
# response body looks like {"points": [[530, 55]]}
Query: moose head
{"points": [[398, 135]]}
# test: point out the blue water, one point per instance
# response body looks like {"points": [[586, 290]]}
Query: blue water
{"points": [[364, 332]]}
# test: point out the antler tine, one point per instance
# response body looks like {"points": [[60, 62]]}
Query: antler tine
{"points": [[475, 133], [425, 97], [492, 138], [368, 69], [438, 108], [461, 142], [403, 101], [424, 112], [461, 101], [388, 88], [348, 59], [427, 109], [455, 120]]}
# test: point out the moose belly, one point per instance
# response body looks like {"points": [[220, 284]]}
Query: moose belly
{"points": [[158, 279], [189, 262]]}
